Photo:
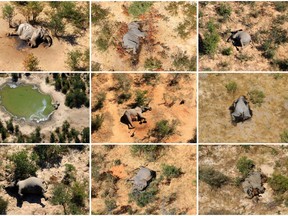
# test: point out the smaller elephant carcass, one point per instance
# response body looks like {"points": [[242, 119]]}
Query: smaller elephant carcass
{"points": [[131, 38], [33, 35], [135, 114], [240, 110], [31, 185], [240, 38], [253, 184], [142, 179]]}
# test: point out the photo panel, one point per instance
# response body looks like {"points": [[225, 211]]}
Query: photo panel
{"points": [[243, 108], [144, 179], [45, 36], [44, 179], [243, 36], [144, 108], [45, 108], [144, 36]]}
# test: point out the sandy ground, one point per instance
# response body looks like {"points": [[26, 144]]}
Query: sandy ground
{"points": [[230, 199], [52, 176], [164, 31], [50, 58], [183, 157], [78, 118], [241, 18], [268, 121], [113, 131]]}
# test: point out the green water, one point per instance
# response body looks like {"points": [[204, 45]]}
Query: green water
{"points": [[25, 101]]}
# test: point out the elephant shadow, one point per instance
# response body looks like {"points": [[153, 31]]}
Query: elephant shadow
{"points": [[30, 198], [124, 120]]}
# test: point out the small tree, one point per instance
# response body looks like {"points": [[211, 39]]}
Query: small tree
{"points": [[56, 25], [164, 129], [170, 171], [212, 177], [245, 165], [31, 63], [97, 122], [152, 64], [8, 13], [231, 87], [139, 7], [141, 98], [256, 97]]}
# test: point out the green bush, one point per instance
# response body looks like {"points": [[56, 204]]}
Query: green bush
{"points": [[182, 62], [164, 129], [141, 98], [31, 63], [170, 171], [78, 194], [152, 64], [110, 204], [100, 98], [281, 6], [85, 135], [76, 99], [57, 25], [98, 14], [3, 206], [245, 165], [123, 82], [8, 13], [282, 64], [278, 183], [102, 44], [144, 198], [24, 167], [61, 196], [231, 87], [211, 40], [48, 155], [256, 97], [212, 177], [138, 8], [224, 10], [125, 96], [284, 136], [77, 60], [150, 78], [69, 174], [97, 122], [227, 51], [150, 151]]}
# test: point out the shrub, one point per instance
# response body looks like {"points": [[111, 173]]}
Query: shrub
{"points": [[138, 8], [224, 10], [144, 198], [284, 136], [97, 122], [85, 135], [76, 99], [231, 87], [102, 44], [256, 97], [78, 194], [98, 14], [150, 151], [56, 25], [170, 171], [69, 174], [211, 40], [8, 13], [23, 166], [3, 206], [152, 64], [164, 129], [282, 64], [74, 60], [100, 98], [123, 82], [31, 63], [121, 98], [61, 196], [182, 62], [212, 177], [245, 165], [48, 155], [281, 6], [227, 51], [150, 78], [110, 204], [278, 183], [141, 98]]}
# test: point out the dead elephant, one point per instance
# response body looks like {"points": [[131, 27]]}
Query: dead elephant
{"points": [[135, 114], [240, 38], [32, 185], [142, 179], [131, 38], [253, 184], [240, 110]]}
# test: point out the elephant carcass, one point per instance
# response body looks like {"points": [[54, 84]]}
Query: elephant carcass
{"points": [[34, 35], [31, 185], [240, 38], [142, 179], [253, 184], [131, 38], [240, 110], [134, 115]]}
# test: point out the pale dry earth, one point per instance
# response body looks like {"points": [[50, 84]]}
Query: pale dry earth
{"points": [[268, 121]]}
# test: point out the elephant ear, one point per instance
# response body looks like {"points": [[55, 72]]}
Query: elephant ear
{"points": [[49, 40]]}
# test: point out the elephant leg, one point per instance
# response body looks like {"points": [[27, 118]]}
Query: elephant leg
{"points": [[130, 122], [11, 34]]}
